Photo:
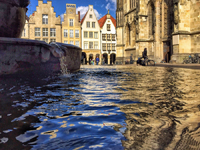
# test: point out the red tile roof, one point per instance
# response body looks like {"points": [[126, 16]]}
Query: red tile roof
{"points": [[103, 20], [84, 17]]}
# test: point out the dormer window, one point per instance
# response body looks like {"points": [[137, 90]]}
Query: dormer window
{"points": [[90, 16]]}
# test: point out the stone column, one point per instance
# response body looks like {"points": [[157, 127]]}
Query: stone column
{"points": [[158, 53], [108, 59]]}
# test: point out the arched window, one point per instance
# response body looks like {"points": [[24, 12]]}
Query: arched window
{"points": [[152, 19]]}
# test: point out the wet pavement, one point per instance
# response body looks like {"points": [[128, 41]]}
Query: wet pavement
{"points": [[102, 107]]}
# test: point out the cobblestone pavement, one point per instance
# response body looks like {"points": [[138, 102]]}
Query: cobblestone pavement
{"points": [[189, 66]]}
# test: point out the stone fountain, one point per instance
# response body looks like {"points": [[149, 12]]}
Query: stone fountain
{"points": [[21, 55]]}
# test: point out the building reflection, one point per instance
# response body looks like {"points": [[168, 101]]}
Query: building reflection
{"points": [[165, 114]]}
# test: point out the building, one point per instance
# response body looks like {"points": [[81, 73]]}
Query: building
{"points": [[25, 32], [90, 35], [170, 30], [108, 38], [71, 26], [43, 24]]}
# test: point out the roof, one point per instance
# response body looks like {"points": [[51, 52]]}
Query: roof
{"points": [[103, 20], [84, 18]]}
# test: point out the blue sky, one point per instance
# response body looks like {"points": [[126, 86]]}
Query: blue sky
{"points": [[101, 6]]}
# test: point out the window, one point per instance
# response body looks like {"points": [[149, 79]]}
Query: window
{"points": [[72, 42], [45, 31], [66, 42], [46, 40], [104, 46], [108, 47], [77, 43], [93, 24], [52, 40], [113, 37], [65, 33], [96, 35], [85, 34], [71, 22], [108, 37], [44, 19], [37, 31], [85, 45], [132, 4], [113, 47], [88, 24], [71, 32], [104, 37], [90, 16], [95, 45], [77, 33], [91, 34], [108, 27], [90, 45], [52, 32], [37, 39], [24, 32]]}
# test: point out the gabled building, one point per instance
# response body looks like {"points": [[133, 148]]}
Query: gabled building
{"points": [[108, 37], [90, 35], [43, 23], [71, 26]]}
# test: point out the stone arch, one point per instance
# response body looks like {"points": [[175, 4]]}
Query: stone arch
{"points": [[151, 18], [133, 31], [128, 34]]}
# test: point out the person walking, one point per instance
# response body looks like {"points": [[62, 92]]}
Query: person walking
{"points": [[97, 60]]}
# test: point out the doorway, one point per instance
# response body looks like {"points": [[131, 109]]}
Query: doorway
{"points": [[166, 51], [112, 58]]}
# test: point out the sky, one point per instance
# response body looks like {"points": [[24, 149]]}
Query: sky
{"points": [[100, 6]]}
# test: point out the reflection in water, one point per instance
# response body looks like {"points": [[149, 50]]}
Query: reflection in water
{"points": [[122, 107]]}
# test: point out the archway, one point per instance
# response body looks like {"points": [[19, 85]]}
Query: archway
{"points": [[97, 55], [112, 58], [90, 58], [105, 58], [84, 58]]}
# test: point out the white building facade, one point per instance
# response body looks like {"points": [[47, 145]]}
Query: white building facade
{"points": [[108, 38], [90, 30]]}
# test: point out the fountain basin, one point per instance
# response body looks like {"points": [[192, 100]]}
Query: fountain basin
{"points": [[13, 17], [21, 55]]}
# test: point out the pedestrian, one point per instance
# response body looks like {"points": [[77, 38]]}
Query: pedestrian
{"points": [[91, 62], [97, 60]]}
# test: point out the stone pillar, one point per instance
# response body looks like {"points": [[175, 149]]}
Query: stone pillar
{"points": [[158, 53], [108, 59]]}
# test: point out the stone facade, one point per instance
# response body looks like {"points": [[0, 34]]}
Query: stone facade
{"points": [[71, 26], [170, 30]]}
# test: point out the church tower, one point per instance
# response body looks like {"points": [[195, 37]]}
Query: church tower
{"points": [[119, 30]]}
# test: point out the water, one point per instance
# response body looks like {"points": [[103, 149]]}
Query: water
{"points": [[102, 107]]}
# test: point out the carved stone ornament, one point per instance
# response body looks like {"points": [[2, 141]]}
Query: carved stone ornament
{"points": [[176, 14]]}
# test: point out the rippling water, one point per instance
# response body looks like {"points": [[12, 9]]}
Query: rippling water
{"points": [[102, 107]]}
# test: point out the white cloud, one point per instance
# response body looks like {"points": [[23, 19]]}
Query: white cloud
{"points": [[84, 9], [62, 16], [108, 6], [111, 5]]}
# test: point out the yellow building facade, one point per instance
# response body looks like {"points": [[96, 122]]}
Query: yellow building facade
{"points": [[71, 26], [43, 24]]}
